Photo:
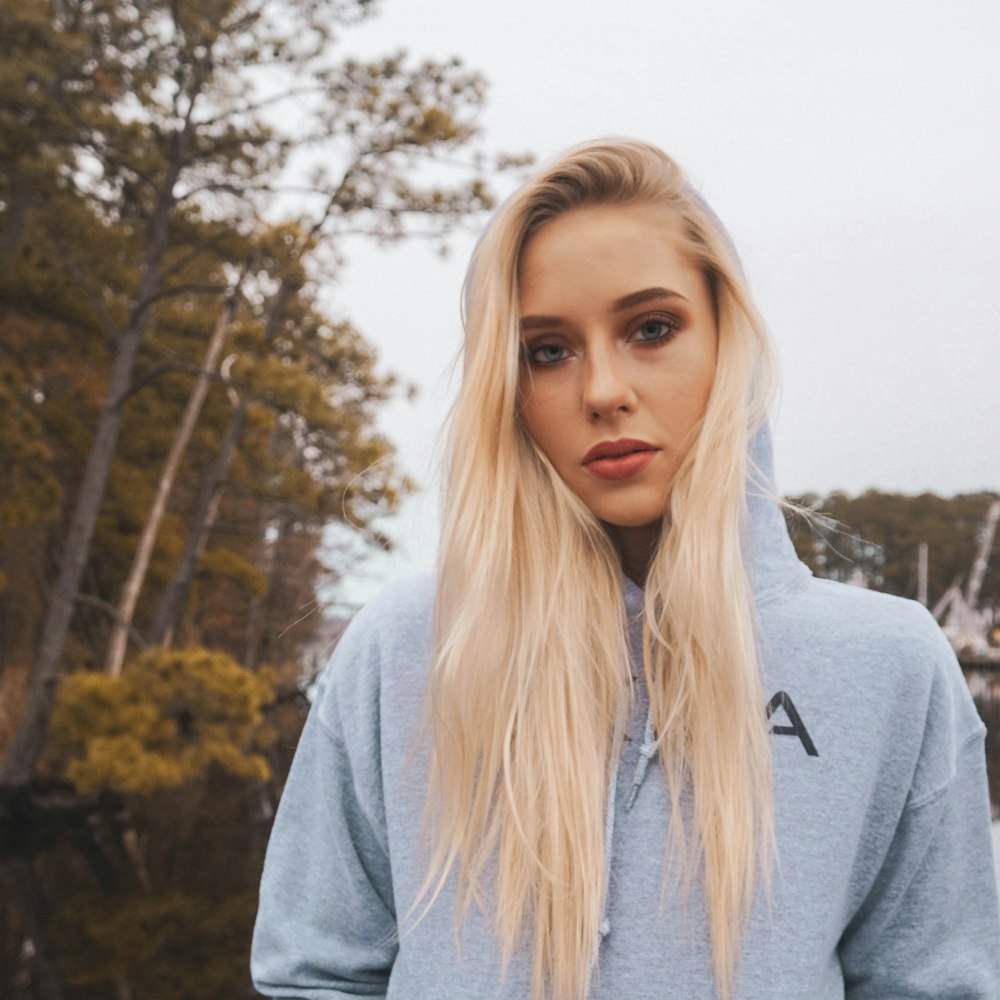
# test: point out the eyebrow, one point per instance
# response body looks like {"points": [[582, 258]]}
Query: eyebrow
{"points": [[637, 298], [619, 305]]}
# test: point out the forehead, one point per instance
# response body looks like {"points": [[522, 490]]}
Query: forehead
{"points": [[604, 252]]}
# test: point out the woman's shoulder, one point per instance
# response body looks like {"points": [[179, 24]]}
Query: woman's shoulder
{"points": [[403, 606], [867, 625], [880, 668], [385, 650]]}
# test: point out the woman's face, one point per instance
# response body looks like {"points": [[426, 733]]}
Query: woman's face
{"points": [[619, 342]]}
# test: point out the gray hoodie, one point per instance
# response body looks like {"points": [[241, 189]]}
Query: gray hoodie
{"points": [[884, 888]]}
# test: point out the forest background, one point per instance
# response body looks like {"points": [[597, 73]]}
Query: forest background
{"points": [[186, 412]]}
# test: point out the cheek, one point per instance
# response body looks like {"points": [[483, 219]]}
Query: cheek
{"points": [[687, 390], [544, 419], [532, 419], [692, 397]]}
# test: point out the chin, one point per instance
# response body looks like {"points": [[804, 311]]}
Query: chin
{"points": [[632, 521], [631, 516]]}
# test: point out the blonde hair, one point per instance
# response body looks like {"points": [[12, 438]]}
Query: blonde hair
{"points": [[530, 674]]}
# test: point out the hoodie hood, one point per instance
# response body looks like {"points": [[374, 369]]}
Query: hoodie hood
{"points": [[768, 553]]}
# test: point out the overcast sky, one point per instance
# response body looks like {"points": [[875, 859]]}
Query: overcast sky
{"points": [[853, 150]]}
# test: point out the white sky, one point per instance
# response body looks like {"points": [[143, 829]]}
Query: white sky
{"points": [[853, 150]]}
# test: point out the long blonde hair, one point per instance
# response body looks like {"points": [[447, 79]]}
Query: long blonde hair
{"points": [[530, 669]]}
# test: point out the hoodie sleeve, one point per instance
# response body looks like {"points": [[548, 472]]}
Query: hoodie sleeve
{"points": [[326, 923], [929, 928]]}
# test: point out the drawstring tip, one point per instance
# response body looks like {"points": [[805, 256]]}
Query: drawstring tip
{"points": [[646, 751], [630, 801]]}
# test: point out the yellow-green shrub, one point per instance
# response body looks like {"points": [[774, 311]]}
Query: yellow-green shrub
{"points": [[168, 718]]}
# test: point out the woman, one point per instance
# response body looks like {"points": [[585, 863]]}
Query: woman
{"points": [[615, 587]]}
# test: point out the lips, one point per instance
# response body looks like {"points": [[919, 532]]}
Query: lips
{"points": [[619, 459]]}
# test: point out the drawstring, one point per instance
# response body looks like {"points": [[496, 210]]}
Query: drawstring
{"points": [[646, 753], [609, 828]]}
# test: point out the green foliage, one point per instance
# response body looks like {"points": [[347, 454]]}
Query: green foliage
{"points": [[147, 153], [28, 490], [169, 945], [165, 721], [876, 536], [231, 566]]}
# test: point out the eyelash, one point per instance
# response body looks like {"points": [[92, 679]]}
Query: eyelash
{"points": [[534, 362], [671, 324]]}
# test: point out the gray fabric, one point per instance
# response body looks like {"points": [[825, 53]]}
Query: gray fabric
{"points": [[885, 888]]}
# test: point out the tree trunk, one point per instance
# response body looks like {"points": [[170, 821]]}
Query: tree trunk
{"points": [[260, 607], [168, 613], [19, 200], [17, 875], [19, 763], [118, 643], [166, 620]]}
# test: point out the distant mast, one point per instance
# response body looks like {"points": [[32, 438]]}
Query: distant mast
{"points": [[922, 574], [971, 629]]}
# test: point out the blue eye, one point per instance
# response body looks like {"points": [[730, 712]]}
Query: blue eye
{"points": [[546, 354], [653, 330]]}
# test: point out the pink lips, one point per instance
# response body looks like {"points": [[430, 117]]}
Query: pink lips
{"points": [[619, 459]]}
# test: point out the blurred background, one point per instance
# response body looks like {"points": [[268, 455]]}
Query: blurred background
{"points": [[232, 240]]}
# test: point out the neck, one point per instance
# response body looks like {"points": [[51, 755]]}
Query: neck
{"points": [[636, 546]]}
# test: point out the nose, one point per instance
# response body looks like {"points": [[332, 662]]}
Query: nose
{"points": [[607, 390]]}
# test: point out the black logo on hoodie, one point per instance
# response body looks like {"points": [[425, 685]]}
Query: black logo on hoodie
{"points": [[797, 727]]}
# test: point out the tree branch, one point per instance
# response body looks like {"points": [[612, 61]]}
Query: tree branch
{"points": [[112, 612]]}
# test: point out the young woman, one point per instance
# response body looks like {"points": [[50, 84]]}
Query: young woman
{"points": [[623, 745]]}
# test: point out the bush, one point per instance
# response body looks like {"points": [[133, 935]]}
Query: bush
{"points": [[170, 716]]}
